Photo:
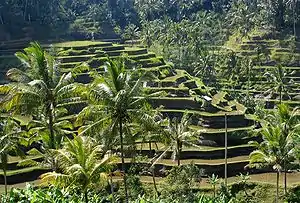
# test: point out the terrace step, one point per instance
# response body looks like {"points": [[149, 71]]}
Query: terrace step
{"points": [[23, 175], [14, 45], [175, 103], [235, 165], [81, 45], [80, 58], [171, 92], [130, 52]]}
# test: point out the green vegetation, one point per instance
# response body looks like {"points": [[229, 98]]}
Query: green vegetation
{"points": [[150, 101]]}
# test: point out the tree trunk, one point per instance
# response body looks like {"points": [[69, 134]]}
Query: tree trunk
{"points": [[122, 157], [178, 153], [5, 180], [214, 191], [50, 126], [156, 146], [154, 182], [112, 189], [86, 198], [280, 96], [25, 10], [4, 168], [285, 177], [277, 186], [150, 148], [1, 19]]}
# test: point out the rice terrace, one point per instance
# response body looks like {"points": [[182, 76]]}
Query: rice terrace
{"points": [[150, 101]]}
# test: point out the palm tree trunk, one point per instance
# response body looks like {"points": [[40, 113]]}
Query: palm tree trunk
{"points": [[277, 186], [122, 157], [5, 179], [25, 10], [178, 153], [1, 19], [285, 177], [154, 182], [86, 198], [111, 188], [280, 97], [150, 148], [214, 191], [156, 145], [50, 126], [4, 168]]}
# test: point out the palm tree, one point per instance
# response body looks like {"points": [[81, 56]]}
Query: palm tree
{"points": [[213, 180], [288, 120], [115, 100], [10, 139], [176, 135], [150, 128], [40, 89], [293, 5], [268, 152], [83, 166], [279, 81]]}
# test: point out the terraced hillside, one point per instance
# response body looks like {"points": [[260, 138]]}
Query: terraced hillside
{"points": [[183, 94], [267, 54]]}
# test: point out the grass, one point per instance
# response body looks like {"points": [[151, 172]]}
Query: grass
{"points": [[220, 130], [16, 159], [71, 44], [79, 56], [23, 170], [209, 162], [204, 113], [161, 146]]}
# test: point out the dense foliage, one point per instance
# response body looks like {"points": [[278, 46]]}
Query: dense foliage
{"points": [[86, 18], [86, 136]]}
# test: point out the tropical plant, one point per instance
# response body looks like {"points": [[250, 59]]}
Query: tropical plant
{"points": [[289, 122], [131, 33], [268, 152], [213, 180], [116, 100], [40, 89], [83, 166], [11, 137], [279, 83], [177, 135]]}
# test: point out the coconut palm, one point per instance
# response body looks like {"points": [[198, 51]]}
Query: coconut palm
{"points": [[150, 128], [11, 136], [83, 166], [268, 152], [40, 89], [288, 120], [116, 99], [176, 135], [279, 82]]}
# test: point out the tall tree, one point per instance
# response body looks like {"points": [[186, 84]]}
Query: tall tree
{"points": [[177, 135], [268, 152], [116, 99], [277, 77], [288, 120], [40, 90]]}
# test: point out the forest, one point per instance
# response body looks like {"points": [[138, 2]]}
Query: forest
{"points": [[150, 101]]}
